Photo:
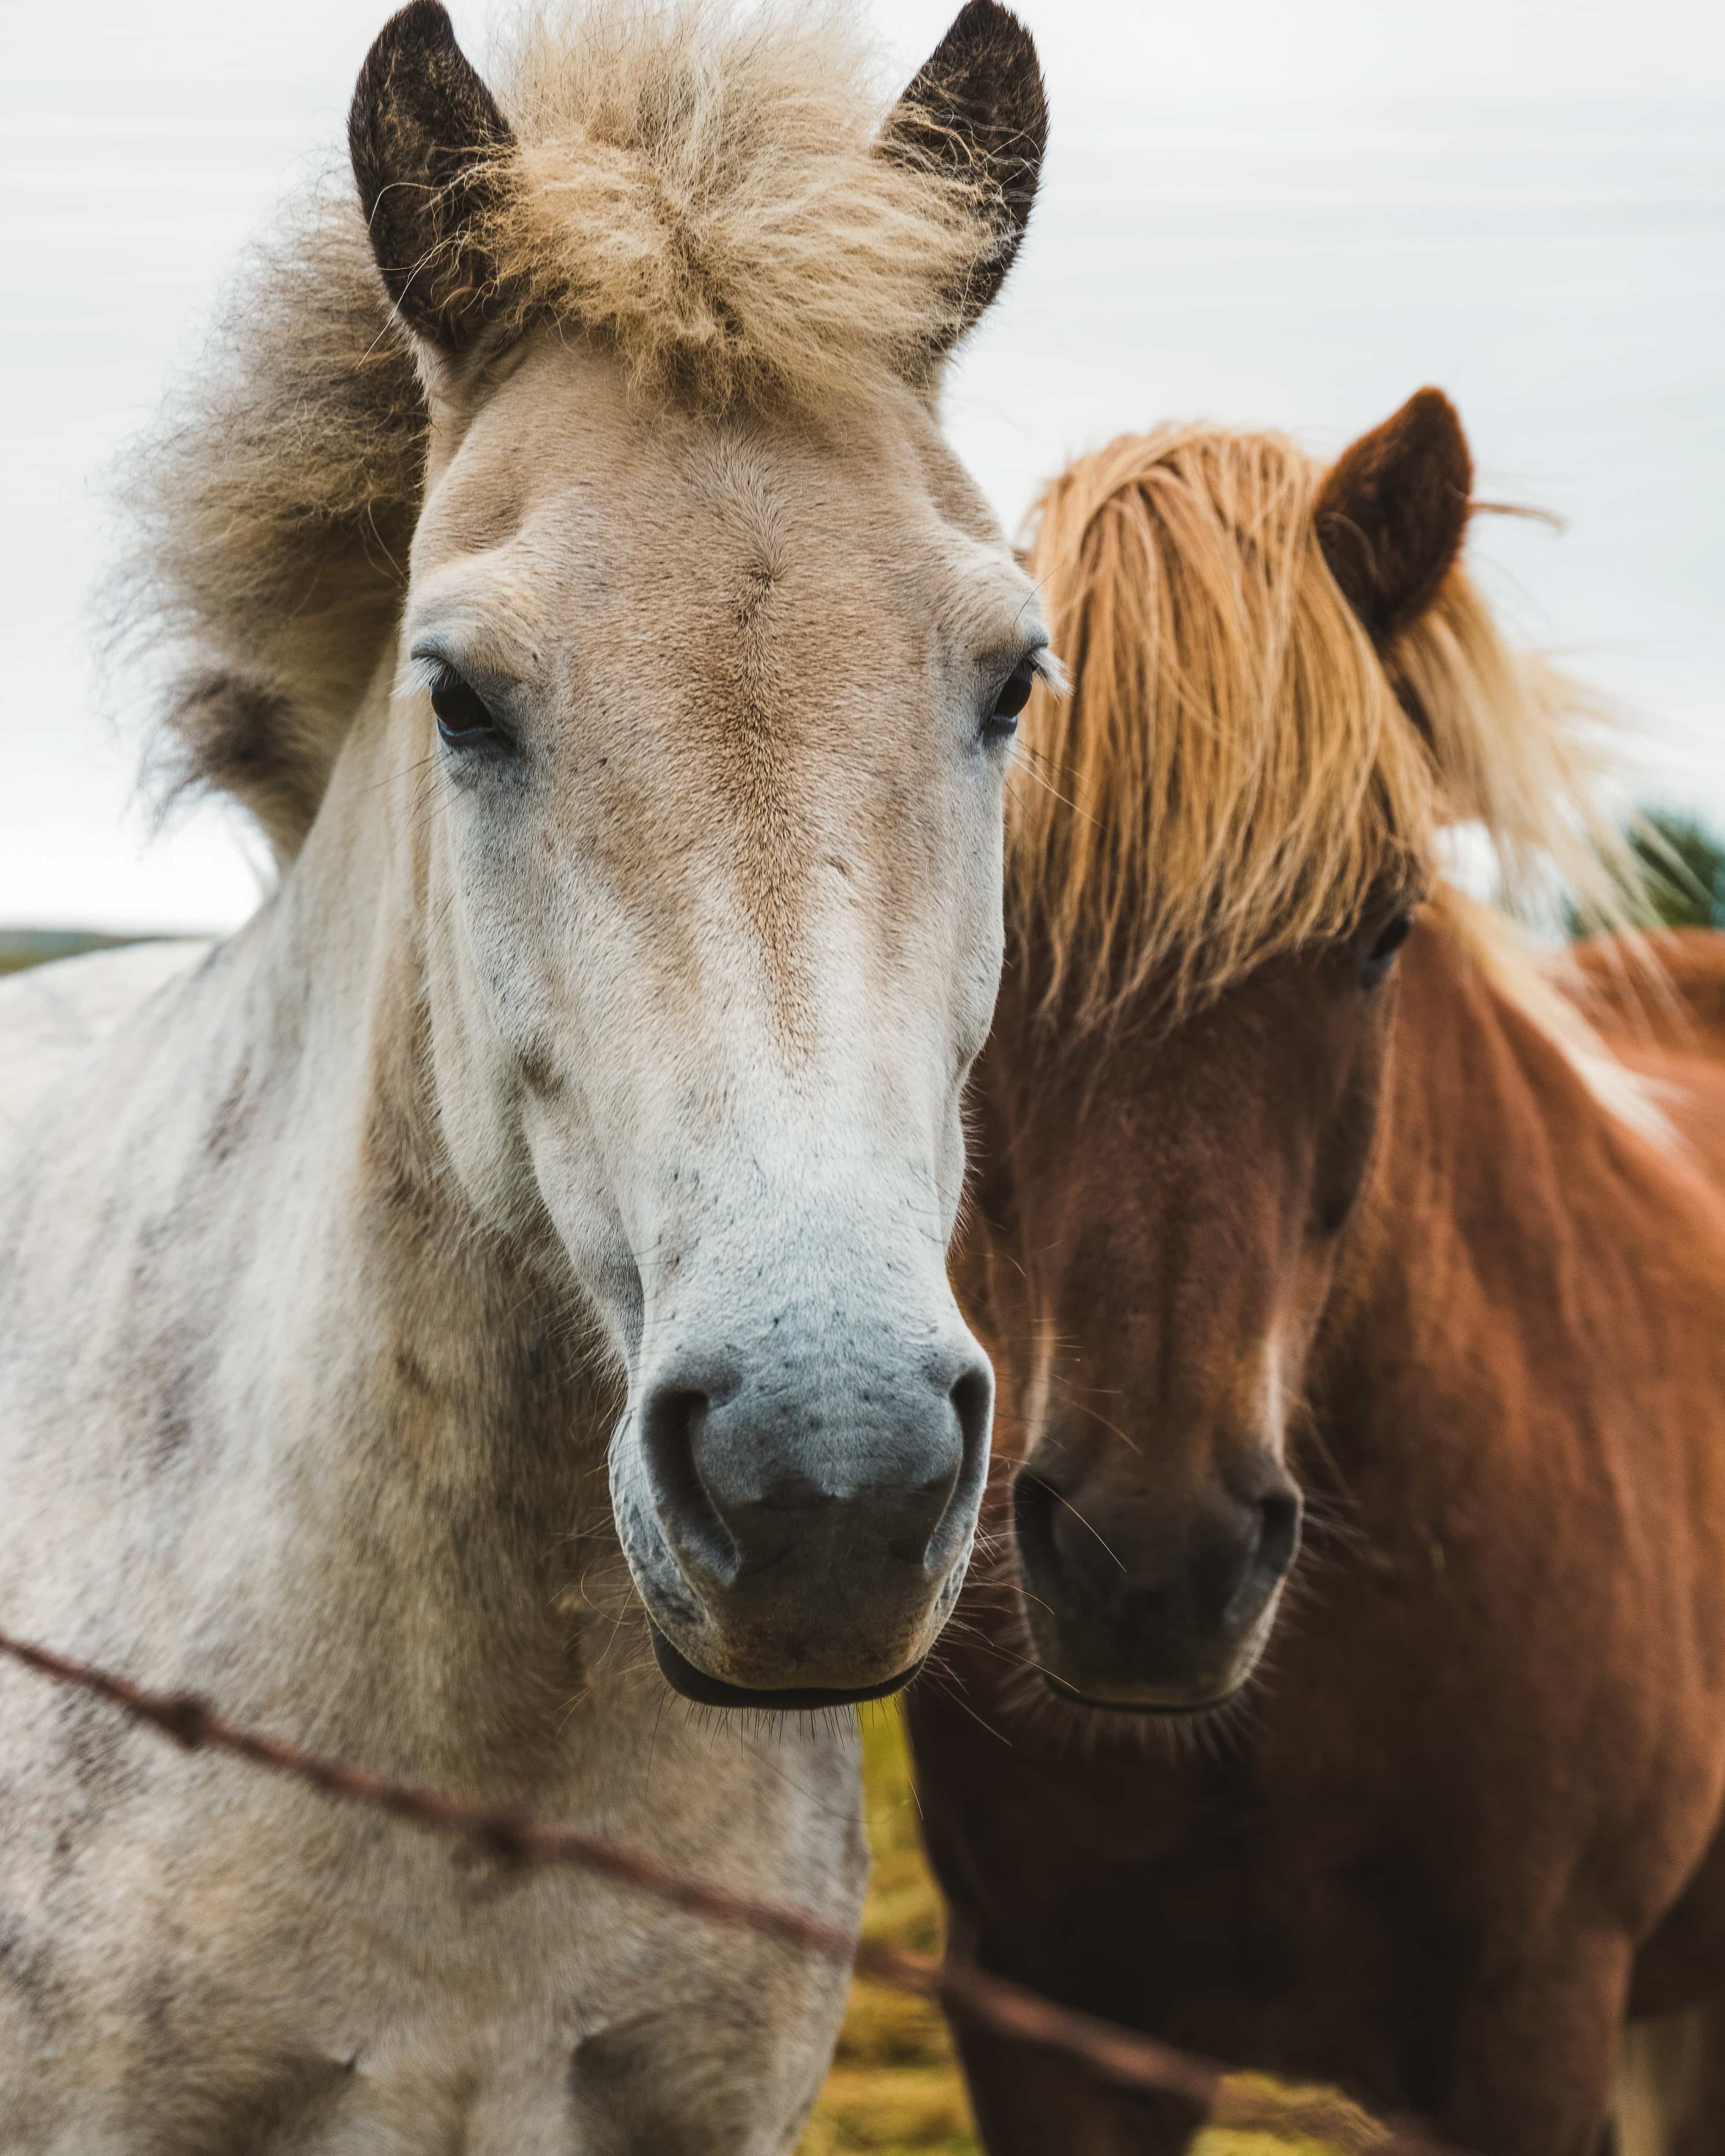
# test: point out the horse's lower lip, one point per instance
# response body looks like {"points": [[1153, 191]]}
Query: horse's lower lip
{"points": [[1144, 1710], [713, 1691], [1121, 1699]]}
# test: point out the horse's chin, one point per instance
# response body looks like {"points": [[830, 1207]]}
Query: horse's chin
{"points": [[682, 1676], [1085, 1665], [1116, 1684], [1128, 1698]]}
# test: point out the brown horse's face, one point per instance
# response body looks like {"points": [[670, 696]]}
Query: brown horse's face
{"points": [[1164, 1218]]}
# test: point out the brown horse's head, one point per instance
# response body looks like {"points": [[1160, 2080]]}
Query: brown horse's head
{"points": [[1283, 686], [1190, 1192]]}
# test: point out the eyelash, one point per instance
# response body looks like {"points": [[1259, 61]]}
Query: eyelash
{"points": [[1382, 955], [464, 719], [1002, 722]]}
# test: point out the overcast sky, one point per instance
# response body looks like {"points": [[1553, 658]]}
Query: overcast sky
{"points": [[1149, 48], [1290, 212]]}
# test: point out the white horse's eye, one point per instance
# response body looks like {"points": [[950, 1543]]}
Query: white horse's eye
{"points": [[1003, 720], [462, 716]]}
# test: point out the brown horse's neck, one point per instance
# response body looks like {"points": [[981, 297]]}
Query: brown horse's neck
{"points": [[1495, 1213]]}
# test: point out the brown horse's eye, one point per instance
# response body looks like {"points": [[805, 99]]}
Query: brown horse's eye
{"points": [[1014, 693], [1390, 939], [462, 718]]}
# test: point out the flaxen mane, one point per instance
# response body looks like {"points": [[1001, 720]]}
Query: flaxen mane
{"points": [[698, 190], [1236, 772]]}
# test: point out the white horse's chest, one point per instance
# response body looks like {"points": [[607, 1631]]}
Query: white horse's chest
{"points": [[224, 1962], [198, 1960]]}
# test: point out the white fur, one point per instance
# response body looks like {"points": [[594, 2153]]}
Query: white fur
{"points": [[331, 1259]]}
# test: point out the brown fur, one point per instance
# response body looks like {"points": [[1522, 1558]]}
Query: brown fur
{"points": [[1391, 515], [1460, 1826], [722, 202]]}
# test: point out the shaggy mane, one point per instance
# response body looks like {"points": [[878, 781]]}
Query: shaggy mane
{"points": [[1237, 771], [694, 187]]}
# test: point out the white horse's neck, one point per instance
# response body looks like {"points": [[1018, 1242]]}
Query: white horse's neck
{"points": [[282, 1421], [375, 1439]]}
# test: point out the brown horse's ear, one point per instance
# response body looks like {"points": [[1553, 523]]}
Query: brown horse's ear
{"points": [[1392, 511], [424, 134], [976, 109]]}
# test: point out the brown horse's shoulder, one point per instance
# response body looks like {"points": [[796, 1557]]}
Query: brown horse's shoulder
{"points": [[1589, 1094]]}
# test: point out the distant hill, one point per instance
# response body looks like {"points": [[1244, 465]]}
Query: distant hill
{"points": [[35, 947]]}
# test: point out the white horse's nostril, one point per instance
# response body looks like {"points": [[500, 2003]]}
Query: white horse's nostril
{"points": [[971, 1398], [672, 1417]]}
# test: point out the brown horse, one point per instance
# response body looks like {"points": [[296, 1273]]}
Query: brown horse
{"points": [[1307, 1190]]}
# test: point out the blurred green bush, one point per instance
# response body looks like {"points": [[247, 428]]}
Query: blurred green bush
{"points": [[1684, 864]]}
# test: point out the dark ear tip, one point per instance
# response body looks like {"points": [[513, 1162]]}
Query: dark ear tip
{"points": [[1392, 512], [422, 26], [1429, 414], [1425, 433], [977, 109], [420, 21], [978, 15], [1431, 403], [986, 27]]}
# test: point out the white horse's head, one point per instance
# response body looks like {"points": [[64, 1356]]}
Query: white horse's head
{"points": [[713, 655]]}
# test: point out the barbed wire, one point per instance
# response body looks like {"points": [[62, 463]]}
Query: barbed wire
{"points": [[1121, 2056]]}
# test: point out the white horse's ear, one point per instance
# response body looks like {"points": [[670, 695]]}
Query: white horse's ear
{"points": [[977, 111], [1392, 513], [425, 137]]}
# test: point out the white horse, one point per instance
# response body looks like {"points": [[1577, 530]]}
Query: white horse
{"points": [[625, 673]]}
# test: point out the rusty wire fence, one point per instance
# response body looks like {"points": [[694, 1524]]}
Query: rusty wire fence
{"points": [[519, 1844]]}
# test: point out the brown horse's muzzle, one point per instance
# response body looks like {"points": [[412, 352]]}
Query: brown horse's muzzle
{"points": [[1161, 1607]]}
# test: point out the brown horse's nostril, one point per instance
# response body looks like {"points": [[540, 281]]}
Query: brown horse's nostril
{"points": [[1033, 1503], [1278, 1533], [1275, 1537]]}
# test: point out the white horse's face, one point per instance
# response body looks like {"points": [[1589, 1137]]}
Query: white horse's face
{"points": [[718, 716]]}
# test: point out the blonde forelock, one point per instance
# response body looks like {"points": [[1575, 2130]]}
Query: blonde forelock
{"points": [[701, 190], [694, 187], [1238, 771]]}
